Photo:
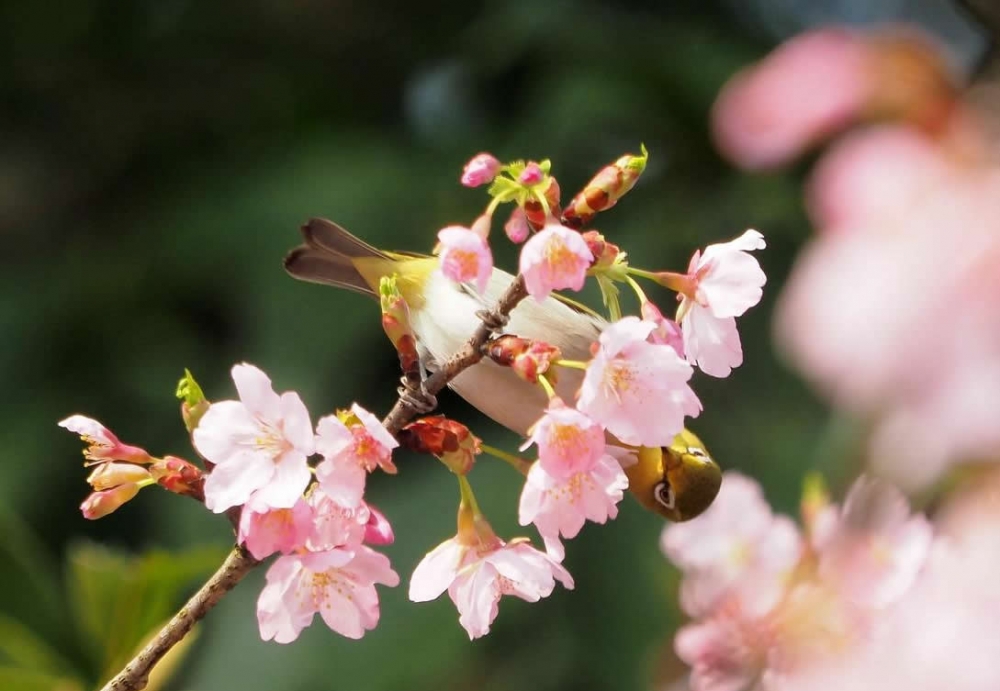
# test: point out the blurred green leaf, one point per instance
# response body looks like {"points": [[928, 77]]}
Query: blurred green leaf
{"points": [[117, 600], [22, 647], [18, 679]]}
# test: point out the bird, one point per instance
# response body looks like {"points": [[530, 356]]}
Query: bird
{"points": [[677, 482]]}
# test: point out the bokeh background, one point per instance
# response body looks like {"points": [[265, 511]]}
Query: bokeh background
{"points": [[156, 159]]}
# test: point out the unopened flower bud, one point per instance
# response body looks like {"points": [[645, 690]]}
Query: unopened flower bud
{"points": [[535, 212], [396, 323], [526, 357], [100, 504], [605, 253], [516, 226], [193, 402], [480, 170], [179, 476], [378, 531], [531, 175], [109, 475], [452, 442], [605, 189]]}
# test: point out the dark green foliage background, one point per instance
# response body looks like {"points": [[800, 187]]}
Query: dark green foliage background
{"points": [[157, 160]]}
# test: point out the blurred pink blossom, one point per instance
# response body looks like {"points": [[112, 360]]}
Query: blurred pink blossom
{"points": [[516, 226], [667, 331], [258, 444], [555, 257], [637, 389], [807, 89]]}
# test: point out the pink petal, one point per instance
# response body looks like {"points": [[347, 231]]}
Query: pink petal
{"points": [[734, 280], [296, 427], [476, 594], [221, 429], [231, 483], [713, 344], [374, 427], [556, 257], [255, 391], [343, 479], [290, 478], [436, 571]]}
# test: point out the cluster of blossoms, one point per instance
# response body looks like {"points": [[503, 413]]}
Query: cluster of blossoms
{"points": [[298, 492], [896, 329], [893, 309], [772, 604]]}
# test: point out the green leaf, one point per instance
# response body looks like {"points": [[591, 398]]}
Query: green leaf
{"points": [[17, 679], [117, 600], [23, 553], [22, 647]]}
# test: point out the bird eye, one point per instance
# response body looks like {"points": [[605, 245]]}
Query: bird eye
{"points": [[697, 452], [664, 494]]}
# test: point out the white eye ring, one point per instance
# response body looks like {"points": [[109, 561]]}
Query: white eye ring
{"points": [[696, 452], [664, 494]]}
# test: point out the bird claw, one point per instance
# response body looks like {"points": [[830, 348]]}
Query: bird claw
{"points": [[420, 400], [493, 320]]}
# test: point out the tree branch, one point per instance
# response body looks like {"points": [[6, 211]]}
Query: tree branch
{"points": [[238, 564], [135, 675]]}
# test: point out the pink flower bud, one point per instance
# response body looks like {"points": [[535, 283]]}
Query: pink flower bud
{"points": [[109, 475], [531, 175], [179, 476], [100, 504], [377, 530], [480, 170], [516, 226]]}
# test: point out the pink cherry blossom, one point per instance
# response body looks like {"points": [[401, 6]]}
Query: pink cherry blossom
{"points": [[476, 577], [265, 531], [807, 89], [875, 551], [480, 170], [334, 523], [258, 445], [465, 256], [102, 444], [351, 452], [667, 331], [737, 545], [568, 441], [560, 504], [516, 226], [638, 390], [339, 584], [555, 257]]}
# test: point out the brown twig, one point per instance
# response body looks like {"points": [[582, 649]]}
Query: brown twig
{"points": [[470, 354], [135, 675]]}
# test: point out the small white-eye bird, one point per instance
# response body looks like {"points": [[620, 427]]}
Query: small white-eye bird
{"points": [[678, 482]]}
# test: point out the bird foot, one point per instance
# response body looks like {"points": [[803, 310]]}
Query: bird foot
{"points": [[493, 320], [419, 399]]}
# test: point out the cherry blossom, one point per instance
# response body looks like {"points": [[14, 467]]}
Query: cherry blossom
{"points": [[568, 441], [100, 504], [339, 584], [476, 576], [638, 390], [102, 444], [258, 444], [667, 331], [465, 256], [480, 170], [352, 444], [561, 504], [553, 258], [265, 530], [516, 226]]}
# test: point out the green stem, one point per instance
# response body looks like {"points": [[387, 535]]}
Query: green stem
{"points": [[547, 385], [642, 273], [571, 364], [468, 497], [521, 465], [638, 289]]}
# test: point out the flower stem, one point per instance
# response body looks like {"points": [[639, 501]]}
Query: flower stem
{"points": [[571, 364], [547, 385], [638, 289], [521, 465]]}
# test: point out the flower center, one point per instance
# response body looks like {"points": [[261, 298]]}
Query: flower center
{"points": [[618, 378], [467, 262]]}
